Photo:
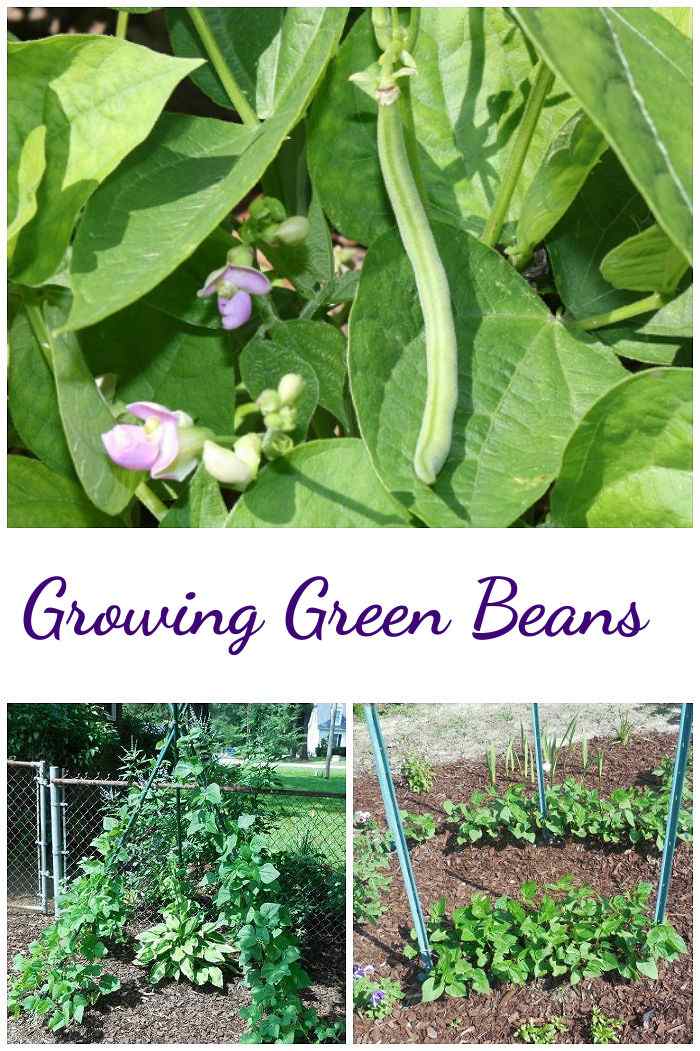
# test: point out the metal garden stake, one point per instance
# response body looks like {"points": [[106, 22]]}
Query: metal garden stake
{"points": [[677, 784]]}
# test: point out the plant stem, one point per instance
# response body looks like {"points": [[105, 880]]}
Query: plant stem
{"points": [[225, 439], [150, 501], [238, 99], [40, 329], [543, 82], [435, 436], [122, 24], [640, 306]]}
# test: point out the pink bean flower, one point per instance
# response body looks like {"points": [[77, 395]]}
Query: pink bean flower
{"points": [[168, 444], [233, 286]]}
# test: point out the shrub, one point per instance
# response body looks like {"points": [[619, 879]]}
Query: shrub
{"points": [[417, 772]]}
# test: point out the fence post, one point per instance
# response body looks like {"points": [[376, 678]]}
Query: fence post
{"points": [[676, 799], [538, 759], [393, 817], [56, 835], [43, 839]]}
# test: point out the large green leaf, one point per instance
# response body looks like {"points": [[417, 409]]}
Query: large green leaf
{"points": [[33, 402], [631, 70], [629, 462], [474, 74], [573, 153], [177, 187], [262, 46], [98, 97], [156, 358], [38, 497], [323, 348], [524, 383], [321, 485], [85, 417]]}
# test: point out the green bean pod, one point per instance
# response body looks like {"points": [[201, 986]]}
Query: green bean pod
{"points": [[435, 435]]}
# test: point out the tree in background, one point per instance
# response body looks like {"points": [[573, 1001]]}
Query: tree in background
{"points": [[78, 737]]}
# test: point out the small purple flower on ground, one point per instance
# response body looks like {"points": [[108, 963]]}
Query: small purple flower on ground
{"points": [[377, 997]]}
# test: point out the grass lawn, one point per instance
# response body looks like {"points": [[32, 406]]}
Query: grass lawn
{"points": [[317, 824]]}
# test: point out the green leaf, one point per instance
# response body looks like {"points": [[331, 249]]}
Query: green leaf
{"points": [[200, 506], [528, 890], [646, 262], [268, 873], [216, 977], [629, 462], [648, 968], [431, 989], [573, 153], [524, 383], [33, 401], [680, 17], [187, 177], [474, 74], [85, 417], [98, 98], [24, 183], [38, 497], [320, 484], [246, 821], [624, 65], [264, 362], [212, 794], [606, 212], [260, 45], [156, 358]]}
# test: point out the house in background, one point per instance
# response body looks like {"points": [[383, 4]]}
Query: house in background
{"points": [[320, 725]]}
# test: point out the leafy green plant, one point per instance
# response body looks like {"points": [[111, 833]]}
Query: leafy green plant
{"points": [[185, 945], [625, 727], [605, 1030], [418, 827], [374, 997], [370, 874], [628, 815], [60, 975], [543, 1033], [418, 773], [569, 932], [256, 405]]}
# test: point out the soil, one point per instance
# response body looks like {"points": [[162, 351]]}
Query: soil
{"points": [[463, 731], [138, 1013], [653, 1011]]}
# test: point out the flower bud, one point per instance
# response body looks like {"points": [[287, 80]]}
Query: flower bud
{"points": [[226, 466], [276, 443], [249, 450], [286, 418], [290, 388], [268, 401], [191, 441], [293, 231], [240, 255]]}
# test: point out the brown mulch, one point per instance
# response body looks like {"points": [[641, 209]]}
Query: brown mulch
{"points": [[138, 1013], [653, 1011]]}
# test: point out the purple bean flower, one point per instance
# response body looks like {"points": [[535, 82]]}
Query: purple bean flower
{"points": [[233, 286], [359, 971], [377, 997], [167, 445]]}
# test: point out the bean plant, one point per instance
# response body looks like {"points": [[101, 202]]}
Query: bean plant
{"points": [[222, 905], [631, 816], [425, 267], [561, 931], [370, 878]]}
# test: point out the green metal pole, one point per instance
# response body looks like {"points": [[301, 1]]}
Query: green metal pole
{"points": [[676, 800], [144, 792], [174, 708], [393, 817], [538, 759]]}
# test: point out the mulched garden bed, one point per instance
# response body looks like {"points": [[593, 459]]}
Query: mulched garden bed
{"points": [[138, 1013], [653, 1011]]}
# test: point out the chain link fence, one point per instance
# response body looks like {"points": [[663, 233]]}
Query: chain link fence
{"points": [[27, 836], [304, 830]]}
